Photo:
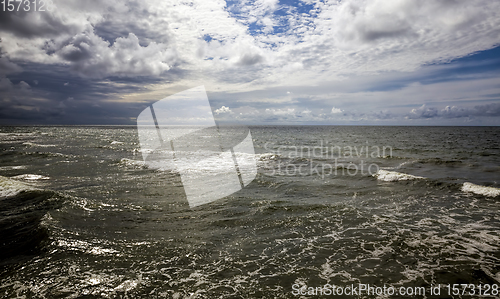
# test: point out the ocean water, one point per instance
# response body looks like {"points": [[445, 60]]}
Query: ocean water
{"points": [[81, 215]]}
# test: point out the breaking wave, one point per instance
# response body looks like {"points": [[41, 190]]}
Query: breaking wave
{"points": [[481, 190], [21, 210], [393, 176]]}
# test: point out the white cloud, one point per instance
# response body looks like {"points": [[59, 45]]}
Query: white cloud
{"points": [[223, 110], [90, 55], [336, 110]]}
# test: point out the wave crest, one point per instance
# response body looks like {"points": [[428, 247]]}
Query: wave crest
{"points": [[393, 176], [481, 190]]}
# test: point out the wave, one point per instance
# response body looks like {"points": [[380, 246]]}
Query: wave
{"points": [[132, 163], [267, 157], [480, 190], [39, 154], [21, 210], [393, 176], [13, 167], [17, 134], [10, 188], [38, 145], [166, 162], [30, 177], [439, 161]]}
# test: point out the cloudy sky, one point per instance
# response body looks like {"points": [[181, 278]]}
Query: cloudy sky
{"points": [[352, 62]]}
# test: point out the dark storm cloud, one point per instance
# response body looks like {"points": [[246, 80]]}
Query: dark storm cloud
{"points": [[69, 35], [59, 82], [33, 24], [70, 112], [26, 105], [488, 110], [58, 96], [8, 67], [79, 48]]}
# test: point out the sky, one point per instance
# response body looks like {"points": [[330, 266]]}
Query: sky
{"points": [[263, 62]]}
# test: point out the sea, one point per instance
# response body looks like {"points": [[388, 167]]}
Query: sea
{"points": [[332, 209]]}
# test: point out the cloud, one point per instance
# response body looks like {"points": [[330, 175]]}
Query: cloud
{"points": [[23, 85], [67, 36], [354, 54], [33, 24], [223, 110], [488, 110], [88, 54], [328, 38], [8, 67], [286, 111], [336, 110], [7, 85], [250, 59]]}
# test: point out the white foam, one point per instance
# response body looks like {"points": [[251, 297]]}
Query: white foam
{"points": [[116, 142], [405, 163], [267, 156], [127, 285], [132, 163], [197, 161], [17, 134], [481, 190], [10, 187], [30, 177], [86, 247], [12, 167], [39, 145], [393, 176]]}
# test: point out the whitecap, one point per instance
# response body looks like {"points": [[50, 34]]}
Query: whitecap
{"points": [[267, 156], [481, 190], [39, 145], [10, 187], [12, 167], [132, 163], [393, 176], [30, 177]]}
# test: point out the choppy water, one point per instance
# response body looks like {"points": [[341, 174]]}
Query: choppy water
{"points": [[81, 215]]}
